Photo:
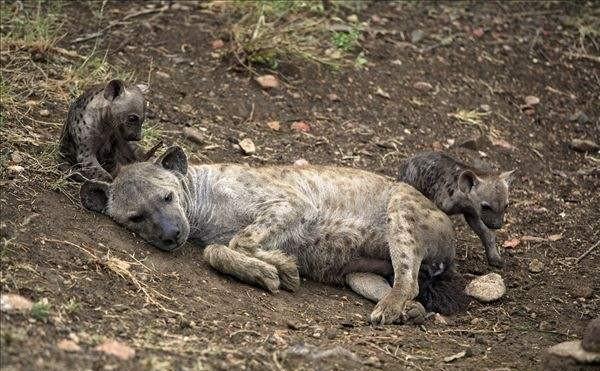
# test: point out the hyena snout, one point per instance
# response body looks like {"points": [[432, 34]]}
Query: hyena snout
{"points": [[170, 233]]}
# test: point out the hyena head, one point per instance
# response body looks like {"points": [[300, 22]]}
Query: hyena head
{"points": [[126, 108], [148, 198], [488, 195]]}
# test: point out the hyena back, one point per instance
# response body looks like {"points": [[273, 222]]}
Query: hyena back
{"points": [[267, 225]]}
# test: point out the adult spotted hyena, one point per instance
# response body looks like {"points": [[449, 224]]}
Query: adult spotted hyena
{"points": [[267, 225]]}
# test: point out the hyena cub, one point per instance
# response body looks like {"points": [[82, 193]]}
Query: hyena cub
{"points": [[266, 226], [101, 128], [457, 188]]}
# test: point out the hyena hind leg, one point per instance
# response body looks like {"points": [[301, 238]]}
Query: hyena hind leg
{"points": [[286, 267], [243, 267], [368, 285]]}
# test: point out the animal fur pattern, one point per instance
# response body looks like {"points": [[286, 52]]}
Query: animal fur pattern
{"points": [[457, 188], [101, 128], [268, 225]]}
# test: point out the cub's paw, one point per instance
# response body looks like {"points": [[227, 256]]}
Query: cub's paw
{"points": [[265, 275], [389, 310], [414, 313]]}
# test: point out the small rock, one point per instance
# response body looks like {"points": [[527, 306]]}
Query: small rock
{"points": [[573, 350], [511, 244], [301, 162], [68, 346], [117, 349], [267, 81], [352, 18], [536, 266], [247, 146], [485, 107], [14, 302], [580, 291], [300, 126], [531, 100], [478, 32], [416, 36], [580, 117], [584, 145], [193, 134], [217, 44], [486, 288], [591, 336], [44, 113], [274, 125], [16, 157], [163, 75], [333, 97], [382, 93], [422, 85]]}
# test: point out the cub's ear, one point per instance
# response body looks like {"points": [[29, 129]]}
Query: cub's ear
{"points": [[94, 195], [113, 89], [507, 177], [143, 88], [467, 180], [174, 159]]}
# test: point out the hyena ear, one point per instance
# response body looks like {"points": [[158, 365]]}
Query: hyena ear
{"points": [[113, 89], [94, 195], [174, 159], [507, 177], [467, 180]]}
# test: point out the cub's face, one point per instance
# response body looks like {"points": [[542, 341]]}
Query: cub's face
{"points": [[488, 195], [127, 109]]}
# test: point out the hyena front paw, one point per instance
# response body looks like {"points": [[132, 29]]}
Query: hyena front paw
{"points": [[389, 310], [265, 275], [286, 267], [414, 312]]}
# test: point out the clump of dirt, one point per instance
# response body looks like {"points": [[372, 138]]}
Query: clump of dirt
{"points": [[454, 77]]}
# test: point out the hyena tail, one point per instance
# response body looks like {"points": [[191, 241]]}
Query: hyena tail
{"points": [[441, 289]]}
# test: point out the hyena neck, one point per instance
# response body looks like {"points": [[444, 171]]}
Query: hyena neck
{"points": [[196, 189]]}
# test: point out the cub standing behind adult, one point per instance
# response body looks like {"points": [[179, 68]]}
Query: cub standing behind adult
{"points": [[457, 188], [102, 127]]}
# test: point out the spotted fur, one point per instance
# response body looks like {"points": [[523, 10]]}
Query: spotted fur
{"points": [[268, 225]]}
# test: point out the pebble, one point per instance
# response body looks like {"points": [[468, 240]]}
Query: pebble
{"points": [[247, 146], [485, 107], [274, 125], [382, 93], [591, 336], [584, 145], [486, 288], [301, 162], [536, 266], [117, 349], [68, 346], [163, 75], [193, 134], [217, 44], [422, 85], [300, 126], [352, 18], [333, 97], [531, 100], [267, 81], [14, 303], [44, 113], [416, 36]]}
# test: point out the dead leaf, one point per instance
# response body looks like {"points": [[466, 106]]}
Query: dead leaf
{"points": [[300, 126], [478, 32], [117, 349], [217, 44], [511, 244], [274, 125]]}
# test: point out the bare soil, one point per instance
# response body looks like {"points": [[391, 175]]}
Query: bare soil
{"points": [[223, 324]]}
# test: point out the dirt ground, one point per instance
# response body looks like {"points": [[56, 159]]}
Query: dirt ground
{"points": [[179, 314]]}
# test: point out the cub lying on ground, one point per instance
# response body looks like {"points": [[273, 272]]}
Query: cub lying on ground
{"points": [[457, 188], [267, 225]]}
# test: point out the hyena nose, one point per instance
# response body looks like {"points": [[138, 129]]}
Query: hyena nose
{"points": [[170, 236]]}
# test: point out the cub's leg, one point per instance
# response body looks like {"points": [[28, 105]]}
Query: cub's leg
{"points": [[368, 285], [267, 231], [406, 252], [245, 268], [91, 168], [488, 239]]}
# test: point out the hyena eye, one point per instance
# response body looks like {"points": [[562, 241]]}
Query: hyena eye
{"points": [[133, 119], [137, 218], [168, 197]]}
